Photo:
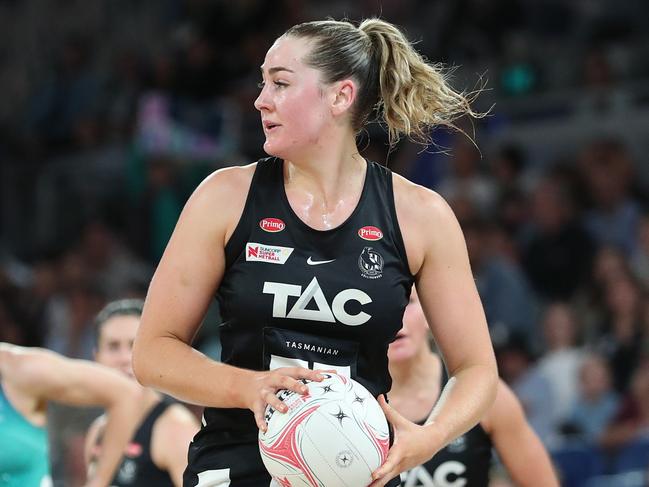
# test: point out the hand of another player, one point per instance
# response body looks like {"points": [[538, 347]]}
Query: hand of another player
{"points": [[412, 446], [264, 385]]}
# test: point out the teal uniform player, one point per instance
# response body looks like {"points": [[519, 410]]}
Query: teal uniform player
{"points": [[23, 449]]}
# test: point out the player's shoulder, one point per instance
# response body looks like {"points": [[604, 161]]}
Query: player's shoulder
{"points": [[223, 193], [418, 198], [419, 205], [225, 182]]}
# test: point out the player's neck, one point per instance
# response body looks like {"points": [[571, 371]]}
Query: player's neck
{"points": [[327, 172], [423, 371]]}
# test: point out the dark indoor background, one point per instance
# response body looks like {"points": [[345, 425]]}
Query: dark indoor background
{"points": [[111, 112]]}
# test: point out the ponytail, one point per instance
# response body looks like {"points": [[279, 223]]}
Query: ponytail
{"points": [[410, 95]]}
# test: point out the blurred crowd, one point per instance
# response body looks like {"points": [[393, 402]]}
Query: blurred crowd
{"points": [[114, 110]]}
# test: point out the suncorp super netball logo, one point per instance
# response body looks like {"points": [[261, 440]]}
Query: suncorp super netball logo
{"points": [[258, 252], [370, 233], [272, 225]]}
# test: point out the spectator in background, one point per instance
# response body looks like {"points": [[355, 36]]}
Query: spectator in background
{"points": [[123, 88], [465, 179], [557, 253], [35, 297], [614, 214], [115, 269], [156, 208], [506, 296], [596, 402], [10, 331], [639, 261], [516, 367], [562, 359], [603, 95], [513, 213], [632, 418], [621, 341], [99, 268], [507, 169], [62, 103], [200, 71], [24, 294], [644, 318], [70, 311], [608, 265]]}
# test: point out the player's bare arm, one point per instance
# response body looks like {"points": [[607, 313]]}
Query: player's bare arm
{"points": [[519, 448], [438, 257], [183, 286], [47, 376]]}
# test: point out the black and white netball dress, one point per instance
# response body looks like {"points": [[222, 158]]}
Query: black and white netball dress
{"points": [[292, 295]]}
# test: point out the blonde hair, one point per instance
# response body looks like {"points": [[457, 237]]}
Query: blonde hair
{"points": [[411, 95]]}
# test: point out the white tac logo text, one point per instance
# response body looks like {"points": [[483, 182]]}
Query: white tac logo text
{"points": [[324, 312]]}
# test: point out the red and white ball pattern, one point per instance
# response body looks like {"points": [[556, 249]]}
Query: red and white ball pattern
{"points": [[335, 435]]}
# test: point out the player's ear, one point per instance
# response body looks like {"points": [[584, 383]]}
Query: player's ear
{"points": [[342, 96]]}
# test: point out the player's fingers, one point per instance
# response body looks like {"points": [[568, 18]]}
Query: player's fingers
{"points": [[385, 472], [381, 481], [327, 371], [275, 402], [313, 375], [389, 468], [287, 382], [391, 414], [259, 419]]}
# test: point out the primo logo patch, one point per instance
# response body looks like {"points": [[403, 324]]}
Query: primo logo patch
{"points": [[274, 254]]}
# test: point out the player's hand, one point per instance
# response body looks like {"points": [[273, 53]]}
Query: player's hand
{"points": [[412, 446], [262, 388]]}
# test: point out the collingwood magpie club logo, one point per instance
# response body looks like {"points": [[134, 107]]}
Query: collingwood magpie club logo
{"points": [[370, 263]]}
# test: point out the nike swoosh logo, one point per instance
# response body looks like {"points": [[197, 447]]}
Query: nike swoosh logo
{"points": [[318, 262]]}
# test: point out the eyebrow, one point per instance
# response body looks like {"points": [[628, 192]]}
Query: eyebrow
{"points": [[275, 69]]}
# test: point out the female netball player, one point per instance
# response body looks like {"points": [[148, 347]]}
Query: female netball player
{"points": [[157, 453], [316, 248], [29, 379], [417, 379]]}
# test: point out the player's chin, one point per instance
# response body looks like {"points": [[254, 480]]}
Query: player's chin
{"points": [[272, 148], [398, 354], [282, 148]]}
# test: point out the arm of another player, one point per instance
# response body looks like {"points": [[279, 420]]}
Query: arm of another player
{"points": [[92, 437], [172, 434], [438, 256], [521, 451], [52, 377], [184, 284]]}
